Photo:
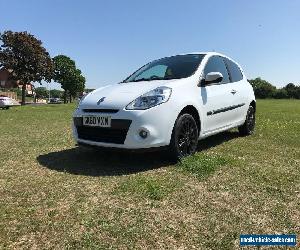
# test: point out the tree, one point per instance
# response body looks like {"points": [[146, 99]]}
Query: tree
{"points": [[29, 61], [55, 93], [70, 78], [292, 90], [64, 68], [77, 85], [262, 88], [41, 92], [281, 94]]}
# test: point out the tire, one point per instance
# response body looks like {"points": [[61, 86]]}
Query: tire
{"points": [[248, 127], [184, 138]]}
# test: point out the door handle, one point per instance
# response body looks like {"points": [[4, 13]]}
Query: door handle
{"points": [[233, 91]]}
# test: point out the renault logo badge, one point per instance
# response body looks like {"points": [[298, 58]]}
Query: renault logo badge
{"points": [[101, 100]]}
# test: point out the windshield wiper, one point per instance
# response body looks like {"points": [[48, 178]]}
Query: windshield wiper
{"points": [[142, 79], [150, 79]]}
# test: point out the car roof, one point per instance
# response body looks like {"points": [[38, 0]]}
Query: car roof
{"points": [[208, 53], [212, 53]]}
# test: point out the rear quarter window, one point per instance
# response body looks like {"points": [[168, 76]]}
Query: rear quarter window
{"points": [[234, 71]]}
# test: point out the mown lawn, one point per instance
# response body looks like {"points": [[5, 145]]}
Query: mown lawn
{"points": [[55, 195]]}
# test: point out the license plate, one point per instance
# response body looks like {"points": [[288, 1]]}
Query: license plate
{"points": [[97, 121]]}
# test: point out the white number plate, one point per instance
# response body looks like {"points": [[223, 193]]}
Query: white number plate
{"points": [[97, 121]]}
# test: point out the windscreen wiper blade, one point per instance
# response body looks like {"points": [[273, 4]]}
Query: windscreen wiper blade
{"points": [[141, 80]]}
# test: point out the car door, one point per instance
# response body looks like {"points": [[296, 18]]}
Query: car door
{"points": [[238, 92], [216, 97]]}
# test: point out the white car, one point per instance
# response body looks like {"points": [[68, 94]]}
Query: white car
{"points": [[6, 102], [174, 101]]}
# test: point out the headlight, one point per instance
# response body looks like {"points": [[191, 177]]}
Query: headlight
{"points": [[151, 99]]}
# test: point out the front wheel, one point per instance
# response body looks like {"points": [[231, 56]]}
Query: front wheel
{"points": [[184, 139], [248, 127]]}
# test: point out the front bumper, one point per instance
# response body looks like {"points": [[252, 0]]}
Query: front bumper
{"points": [[157, 121]]}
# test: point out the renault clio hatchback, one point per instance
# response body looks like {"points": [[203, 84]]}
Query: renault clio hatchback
{"points": [[174, 102]]}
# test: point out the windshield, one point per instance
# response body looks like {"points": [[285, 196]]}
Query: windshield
{"points": [[174, 67]]}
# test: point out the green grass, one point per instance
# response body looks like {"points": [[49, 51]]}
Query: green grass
{"points": [[55, 195], [148, 187], [203, 165]]}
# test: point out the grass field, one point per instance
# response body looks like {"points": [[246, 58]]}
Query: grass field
{"points": [[55, 195]]}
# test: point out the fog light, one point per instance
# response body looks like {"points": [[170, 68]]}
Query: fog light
{"points": [[143, 134]]}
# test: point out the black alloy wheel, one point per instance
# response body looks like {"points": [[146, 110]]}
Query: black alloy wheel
{"points": [[184, 137], [248, 127]]}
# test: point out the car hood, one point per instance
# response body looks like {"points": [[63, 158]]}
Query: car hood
{"points": [[117, 96]]}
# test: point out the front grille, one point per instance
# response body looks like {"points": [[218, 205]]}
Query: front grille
{"points": [[115, 134], [111, 111]]}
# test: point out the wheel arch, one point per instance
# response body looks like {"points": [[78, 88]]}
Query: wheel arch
{"points": [[253, 104], [190, 109]]}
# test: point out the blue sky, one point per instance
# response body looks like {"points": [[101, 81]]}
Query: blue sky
{"points": [[111, 39]]}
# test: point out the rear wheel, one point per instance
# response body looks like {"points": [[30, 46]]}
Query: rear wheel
{"points": [[184, 139], [248, 127]]}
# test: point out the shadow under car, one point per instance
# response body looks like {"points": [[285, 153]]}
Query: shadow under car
{"points": [[105, 162]]}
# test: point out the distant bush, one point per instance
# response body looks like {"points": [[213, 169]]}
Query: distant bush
{"points": [[55, 93], [264, 89], [293, 91], [88, 90], [41, 92], [281, 94]]}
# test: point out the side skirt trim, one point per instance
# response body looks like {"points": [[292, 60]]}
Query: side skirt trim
{"points": [[221, 110]]}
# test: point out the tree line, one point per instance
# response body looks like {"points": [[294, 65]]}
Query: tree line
{"points": [[263, 89], [29, 62], [43, 93]]}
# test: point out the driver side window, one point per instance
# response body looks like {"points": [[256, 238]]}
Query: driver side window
{"points": [[158, 70], [216, 64]]}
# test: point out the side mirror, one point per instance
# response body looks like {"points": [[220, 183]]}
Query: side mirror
{"points": [[213, 77]]}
